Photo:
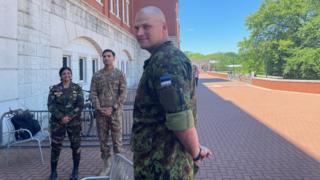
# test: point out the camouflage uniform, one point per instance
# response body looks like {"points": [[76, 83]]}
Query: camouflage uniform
{"points": [[62, 102], [109, 89], [164, 93]]}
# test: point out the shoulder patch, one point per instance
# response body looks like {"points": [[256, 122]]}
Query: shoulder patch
{"points": [[165, 80]]}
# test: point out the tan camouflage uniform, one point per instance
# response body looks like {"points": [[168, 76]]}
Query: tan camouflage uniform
{"points": [[109, 89]]}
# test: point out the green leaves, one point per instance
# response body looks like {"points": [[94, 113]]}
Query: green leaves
{"points": [[303, 64], [284, 39]]}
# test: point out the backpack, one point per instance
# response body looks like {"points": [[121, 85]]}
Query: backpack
{"points": [[25, 120]]}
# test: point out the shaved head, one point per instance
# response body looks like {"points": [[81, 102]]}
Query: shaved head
{"points": [[153, 11], [150, 27]]}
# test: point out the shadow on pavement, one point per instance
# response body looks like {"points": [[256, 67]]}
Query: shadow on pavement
{"points": [[244, 148]]}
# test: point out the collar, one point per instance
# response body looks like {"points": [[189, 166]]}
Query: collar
{"points": [[155, 50], [160, 46]]}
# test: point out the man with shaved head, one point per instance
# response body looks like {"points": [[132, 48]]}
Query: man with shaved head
{"points": [[164, 139]]}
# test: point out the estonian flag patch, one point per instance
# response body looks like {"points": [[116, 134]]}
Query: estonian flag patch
{"points": [[165, 80]]}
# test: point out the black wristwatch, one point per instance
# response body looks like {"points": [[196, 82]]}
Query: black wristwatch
{"points": [[198, 156]]}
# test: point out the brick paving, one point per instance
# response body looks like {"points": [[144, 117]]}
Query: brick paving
{"points": [[245, 147], [26, 163], [250, 140]]}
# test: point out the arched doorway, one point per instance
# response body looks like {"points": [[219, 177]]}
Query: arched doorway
{"points": [[82, 55]]}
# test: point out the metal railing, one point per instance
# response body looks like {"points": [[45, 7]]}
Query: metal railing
{"points": [[131, 94], [43, 117], [89, 126], [89, 129]]}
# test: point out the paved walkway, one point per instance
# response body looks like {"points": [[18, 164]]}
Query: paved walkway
{"points": [[255, 134], [258, 133]]}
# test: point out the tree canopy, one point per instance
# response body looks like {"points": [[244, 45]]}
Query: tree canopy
{"points": [[284, 39]]}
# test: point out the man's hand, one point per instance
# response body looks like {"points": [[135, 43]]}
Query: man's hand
{"points": [[204, 153], [66, 119], [106, 111], [109, 111]]}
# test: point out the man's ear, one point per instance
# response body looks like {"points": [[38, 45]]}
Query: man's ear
{"points": [[165, 28]]}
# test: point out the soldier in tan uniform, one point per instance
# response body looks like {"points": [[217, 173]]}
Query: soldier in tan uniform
{"points": [[108, 93]]}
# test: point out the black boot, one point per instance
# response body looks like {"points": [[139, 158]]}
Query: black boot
{"points": [[54, 174], [75, 170]]}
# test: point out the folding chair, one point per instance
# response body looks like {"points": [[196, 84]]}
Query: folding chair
{"points": [[121, 169], [12, 140]]}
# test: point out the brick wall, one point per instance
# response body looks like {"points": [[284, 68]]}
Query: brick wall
{"points": [[307, 86], [219, 75]]}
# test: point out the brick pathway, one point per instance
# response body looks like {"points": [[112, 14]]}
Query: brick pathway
{"points": [[245, 148], [251, 135], [25, 164]]}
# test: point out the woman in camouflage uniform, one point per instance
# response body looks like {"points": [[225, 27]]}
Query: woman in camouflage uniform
{"points": [[65, 103]]}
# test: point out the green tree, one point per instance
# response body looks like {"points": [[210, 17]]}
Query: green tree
{"points": [[280, 30], [304, 64]]}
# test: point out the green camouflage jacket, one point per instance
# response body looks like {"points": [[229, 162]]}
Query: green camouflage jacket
{"points": [[62, 102], [164, 95]]}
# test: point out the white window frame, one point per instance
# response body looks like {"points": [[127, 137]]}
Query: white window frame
{"points": [[117, 9], [123, 12], [111, 6], [127, 11]]}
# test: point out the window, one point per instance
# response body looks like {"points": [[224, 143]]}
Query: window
{"points": [[119, 64], [94, 65], [127, 68], [81, 69], [127, 12], [100, 1], [122, 67], [123, 12], [66, 61], [111, 6], [117, 8]]}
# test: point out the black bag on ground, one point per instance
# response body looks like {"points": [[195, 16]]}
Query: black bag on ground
{"points": [[25, 120]]}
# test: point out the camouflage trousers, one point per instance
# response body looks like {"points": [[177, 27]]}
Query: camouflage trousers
{"points": [[58, 133], [104, 126], [150, 166]]}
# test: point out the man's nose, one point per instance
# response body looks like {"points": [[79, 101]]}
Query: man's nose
{"points": [[140, 31]]}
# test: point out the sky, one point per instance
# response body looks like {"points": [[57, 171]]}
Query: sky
{"points": [[210, 26]]}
